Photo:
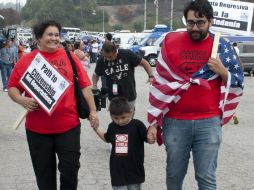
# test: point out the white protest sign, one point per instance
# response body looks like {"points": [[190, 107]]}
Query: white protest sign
{"points": [[232, 16], [44, 83]]}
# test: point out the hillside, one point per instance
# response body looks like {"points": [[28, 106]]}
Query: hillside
{"points": [[135, 14]]}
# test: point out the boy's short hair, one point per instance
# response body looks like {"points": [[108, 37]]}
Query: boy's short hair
{"points": [[119, 105]]}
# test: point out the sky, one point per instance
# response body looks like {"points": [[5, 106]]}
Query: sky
{"points": [[22, 2]]}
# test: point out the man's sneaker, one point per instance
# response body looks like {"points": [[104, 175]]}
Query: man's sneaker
{"points": [[236, 121], [5, 90]]}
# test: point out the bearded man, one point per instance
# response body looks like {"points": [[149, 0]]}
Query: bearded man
{"points": [[192, 96]]}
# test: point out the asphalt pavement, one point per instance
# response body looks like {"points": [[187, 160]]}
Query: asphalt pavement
{"points": [[235, 166]]}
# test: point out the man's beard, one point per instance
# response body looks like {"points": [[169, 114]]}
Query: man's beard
{"points": [[198, 35]]}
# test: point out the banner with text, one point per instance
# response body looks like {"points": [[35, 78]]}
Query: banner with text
{"points": [[45, 84], [232, 16]]}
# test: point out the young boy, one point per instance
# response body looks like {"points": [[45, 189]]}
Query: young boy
{"points": [[127, 136]]}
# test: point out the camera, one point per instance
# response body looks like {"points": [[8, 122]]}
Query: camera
{"points": [[100, 98]]}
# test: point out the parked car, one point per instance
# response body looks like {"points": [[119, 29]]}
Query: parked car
{"points": [[246, 55], [72, 36], [135, 39], [158, 30], [150, 53]]}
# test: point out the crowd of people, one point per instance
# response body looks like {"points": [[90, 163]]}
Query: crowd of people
{"points": [[185, 73], [90, 47]]}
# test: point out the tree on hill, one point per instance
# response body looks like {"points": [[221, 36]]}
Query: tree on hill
{"points": [[11, 16], [67, 12], [78, 13]]}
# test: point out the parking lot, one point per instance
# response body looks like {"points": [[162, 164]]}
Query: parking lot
{"points": [[235, 167]]}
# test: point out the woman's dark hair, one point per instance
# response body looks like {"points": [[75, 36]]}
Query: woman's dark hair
{"points": [[119, 105], [201, 7], [77, 45], [40, 28], [108, 37], [109, 47]]}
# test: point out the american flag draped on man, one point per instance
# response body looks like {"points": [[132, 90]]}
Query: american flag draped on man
{"points": [[169, 85]]}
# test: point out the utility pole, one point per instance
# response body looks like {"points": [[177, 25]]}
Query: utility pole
{"points": [[171, 15], [19, 7], [156, 2], [103, 22], [94, 15], [81, 10], [81, 13], [145, 16]]}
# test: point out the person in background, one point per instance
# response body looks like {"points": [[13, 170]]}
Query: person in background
{"points": [[192, 96], [83, 57], [118, 66], [1, 64], [104, 88], [236, 48], [94, 51], [70, 47], [108, 37], [86, 47], [20, 49], [127, 137], [15, 49], [57, 134], [7, 56]]}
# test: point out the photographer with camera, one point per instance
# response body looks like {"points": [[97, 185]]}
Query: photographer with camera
{"points": [[118, 66]]}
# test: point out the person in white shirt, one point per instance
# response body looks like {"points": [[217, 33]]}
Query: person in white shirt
{"points": [[236, 48], [95, 50]]}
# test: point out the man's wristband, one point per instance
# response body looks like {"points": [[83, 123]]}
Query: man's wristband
{"points": [[150, 76]]}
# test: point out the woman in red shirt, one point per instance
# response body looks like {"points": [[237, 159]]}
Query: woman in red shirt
{"points": [[58, 133]]}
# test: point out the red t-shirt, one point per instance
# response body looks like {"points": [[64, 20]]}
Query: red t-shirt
{"points": [[65, 116], [189, 56]]}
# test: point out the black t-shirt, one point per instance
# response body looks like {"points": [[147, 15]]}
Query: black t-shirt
{"points": [[127, 154], [120, 72]]}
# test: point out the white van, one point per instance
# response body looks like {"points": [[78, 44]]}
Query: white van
{"points": [[24, 36], [72, 36], [150, 53], [135, 39], [121, 39]]}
